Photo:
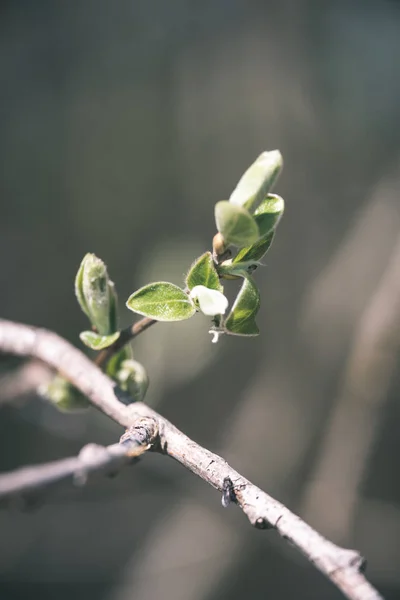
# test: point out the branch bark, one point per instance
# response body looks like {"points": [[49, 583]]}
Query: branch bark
{"points": [[342, 566], [23, 485]]}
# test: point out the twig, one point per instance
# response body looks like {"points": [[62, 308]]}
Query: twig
{"points": [[126, 336], [343, 567], [23, 381], [25, 484]]}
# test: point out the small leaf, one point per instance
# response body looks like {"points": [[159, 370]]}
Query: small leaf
{"points": [[116, 360], [79, 288], [241, 319], [113, 311], [267, 217], [268, 214], [257, 180], [64, 395], [256, 251], [236, 270], [132, 378], [96, 294], [203, 272], [162, 301], [95, 341], [235, 224]]}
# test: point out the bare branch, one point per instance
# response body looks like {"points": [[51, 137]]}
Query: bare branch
{"points": [[22, 484], [343, 567], [23, 381]]}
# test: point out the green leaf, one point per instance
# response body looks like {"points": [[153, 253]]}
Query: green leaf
{"points": [[113, 310], [235, 224], [64, 395], [268, 214], [79, 288], [236, 270], [132, 378], [256, 251], [162, 301], [96, 294], [258, 179], [203, 272], [267, 217], [95, 341], [116, 360], [241, 319]]}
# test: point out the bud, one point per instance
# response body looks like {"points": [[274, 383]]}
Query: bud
{"points": [[96, 294], [258, 180], [132, 378], [63, 395], [219, 245]]}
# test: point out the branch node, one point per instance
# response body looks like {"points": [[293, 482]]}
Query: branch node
{"points": [[91, 453], [358, 562], [262, 523], [144, 432]]}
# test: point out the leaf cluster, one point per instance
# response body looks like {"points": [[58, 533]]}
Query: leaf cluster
{"points": [[246, 225]]}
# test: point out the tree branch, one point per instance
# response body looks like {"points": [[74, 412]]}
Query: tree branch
{"points": [[125, 337], [343, 567], [26, 483]]}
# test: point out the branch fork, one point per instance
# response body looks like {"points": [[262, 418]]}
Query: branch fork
{"points": [[147, 430]]}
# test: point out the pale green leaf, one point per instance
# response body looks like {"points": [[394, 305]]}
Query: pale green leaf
{"points": [[267, 216], [132, 378], [258, 180], [79, 287], [235, 224], [95, 341], [63, 395], [96, 294], [162, 301], [236, 270]]}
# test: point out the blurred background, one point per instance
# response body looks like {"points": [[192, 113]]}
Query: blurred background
{"points": [[122, 123]]}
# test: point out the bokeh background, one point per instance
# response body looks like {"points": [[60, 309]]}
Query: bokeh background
{"points": [[122, 123]]}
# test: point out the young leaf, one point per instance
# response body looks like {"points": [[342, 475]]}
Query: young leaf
{"points": [[257, 180], [235, 224], [268, 214], [241, 319], [132, 378], [96, 294], [79, 288], [203, 272], [162, 301], [236, 270], [256, 251], [116, 360], [113, 311], [95, 341], [267, 217], [63, 395]]}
